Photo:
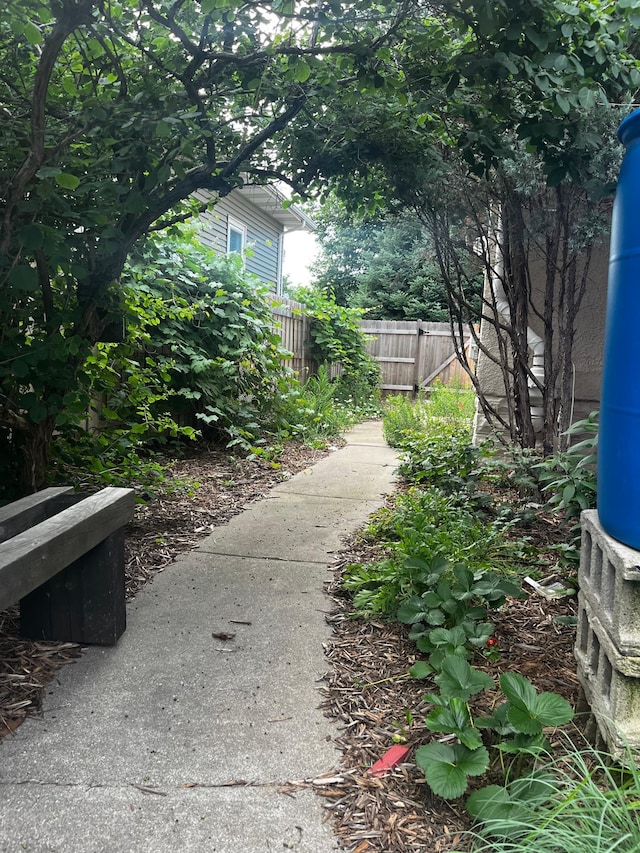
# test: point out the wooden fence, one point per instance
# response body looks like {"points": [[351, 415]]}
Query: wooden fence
{"points": [[293, 327], [413, 353]]}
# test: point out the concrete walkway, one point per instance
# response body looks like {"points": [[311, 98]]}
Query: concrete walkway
{"points": [[176, 740]]}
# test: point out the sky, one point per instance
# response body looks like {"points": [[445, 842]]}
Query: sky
{"points": [[300, 250]]}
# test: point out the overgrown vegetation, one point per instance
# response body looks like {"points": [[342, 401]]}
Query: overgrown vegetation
{"points": [[456, 552], [199, 357]]}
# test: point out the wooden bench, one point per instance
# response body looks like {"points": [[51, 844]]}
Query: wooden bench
{"points": [[62, 558]]}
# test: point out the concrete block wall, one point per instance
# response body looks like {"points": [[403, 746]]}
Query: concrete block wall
{"points": [[608, 640], [609, 580]]}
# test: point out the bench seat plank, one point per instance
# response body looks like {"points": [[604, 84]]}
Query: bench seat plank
{"points": [[26, 512], [34, 556]]}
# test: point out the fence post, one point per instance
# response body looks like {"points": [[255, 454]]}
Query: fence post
{"points": [[419, 350]]}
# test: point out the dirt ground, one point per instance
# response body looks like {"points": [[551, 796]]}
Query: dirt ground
{"points": [[368, 690]]}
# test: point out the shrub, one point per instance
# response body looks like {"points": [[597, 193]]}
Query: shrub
{"points": [[207, 324], [336, 338]]}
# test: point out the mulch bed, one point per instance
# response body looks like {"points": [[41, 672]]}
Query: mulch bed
{"points": [[367, 689], [370, 694]]}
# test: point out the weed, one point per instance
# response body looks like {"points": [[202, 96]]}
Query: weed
{"points": [[451, 402], [568, 480], [399, 416]]}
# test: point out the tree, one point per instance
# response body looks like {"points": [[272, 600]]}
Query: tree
{"points": [[385, 263], [112, 115], [482, 92]]}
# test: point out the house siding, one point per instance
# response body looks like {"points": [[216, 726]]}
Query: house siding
{"points": [[263, 235]]}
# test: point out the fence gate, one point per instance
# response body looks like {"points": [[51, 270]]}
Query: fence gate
{"points": [[413, 353]]}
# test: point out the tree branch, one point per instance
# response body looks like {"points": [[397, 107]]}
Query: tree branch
{"points": [[74, 14]]}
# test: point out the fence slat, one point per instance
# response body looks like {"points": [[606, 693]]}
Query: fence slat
{"points": [[412, 353]]}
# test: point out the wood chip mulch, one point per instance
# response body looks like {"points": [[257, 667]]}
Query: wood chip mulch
{"points": [[372, 698]]}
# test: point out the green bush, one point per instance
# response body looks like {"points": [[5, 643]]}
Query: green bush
{"points": [[207, 324], [199, 355], [336, 339]]}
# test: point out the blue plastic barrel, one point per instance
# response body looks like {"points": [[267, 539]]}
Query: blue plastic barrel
{"points": [[619, 439]]}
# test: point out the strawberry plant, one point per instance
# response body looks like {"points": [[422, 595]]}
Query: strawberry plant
{"points": [[517, 726]]}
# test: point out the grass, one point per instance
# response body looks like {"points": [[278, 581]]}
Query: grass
{"points": [[578, 803]]}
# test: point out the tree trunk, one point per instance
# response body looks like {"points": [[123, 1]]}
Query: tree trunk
{"points": [[35, 447], [517, 289]]}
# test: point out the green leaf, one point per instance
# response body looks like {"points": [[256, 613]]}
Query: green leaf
{"points": [[459, 679], [438, 761], [556, 176], [518, 690], [474, 762], [67, 181], [20, 368], [553, 710], [448, 637], [586, 97], [32, 33], [435, 617], [490, 803], [31, 237], [420, 669], [524, 744], [411, 611], [524, 721], [24, 277], [302, 72], [162, 130], [109, 414], [539, 39], [449, 718], [37, 412], [446, 768]]}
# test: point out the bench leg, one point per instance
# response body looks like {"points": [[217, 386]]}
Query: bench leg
{"points": [[84, 603]]}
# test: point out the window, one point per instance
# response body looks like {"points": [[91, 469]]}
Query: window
{"points": [[236, 237]]}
